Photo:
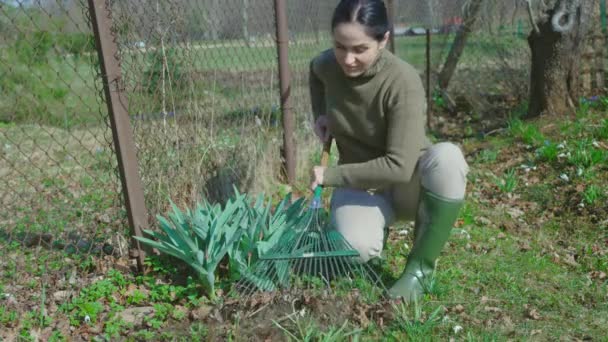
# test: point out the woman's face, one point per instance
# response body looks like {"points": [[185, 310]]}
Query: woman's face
{"points": [[355, 50]]}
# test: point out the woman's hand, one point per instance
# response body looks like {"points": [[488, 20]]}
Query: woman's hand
{"points": [[321, 128], [317, 176]]}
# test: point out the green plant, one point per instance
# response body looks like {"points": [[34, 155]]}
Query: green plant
{"points": [[416, 328], [508, 182], [591, 194], [584, 155], [263, 231], [548, 152], [438, 100], [198, 330], [528, 133], [164, 68], [487, 156], [203, 237], [114, 326], [602, 131], [309, 331], [57, 336]]}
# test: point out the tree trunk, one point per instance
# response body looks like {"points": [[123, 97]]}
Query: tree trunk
{"points": [[556, 54], [470, 17]]}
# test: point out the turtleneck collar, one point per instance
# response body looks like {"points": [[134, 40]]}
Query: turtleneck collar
{"points": [[376, 66]]}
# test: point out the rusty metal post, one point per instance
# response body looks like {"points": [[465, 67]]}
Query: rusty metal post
{"points": [[390, 8], [429, 90], [282, 39], [107, 50]]}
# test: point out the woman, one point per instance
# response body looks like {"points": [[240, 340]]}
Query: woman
{"points": [[373, 105]]}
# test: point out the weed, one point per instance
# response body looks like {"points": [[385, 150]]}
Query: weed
{"points": [[8, 316], [309, 331], [591, 194], [528, 133], [602, 131], [57, 336], [137, 297], [144, 335], [508, 182], [416, 328], [487, 156], [114, 327], [585, 155], [548, 152], [198, 330]]}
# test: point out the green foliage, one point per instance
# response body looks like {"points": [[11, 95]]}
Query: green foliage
{"points": [[34, 49], [528, 133], [76, 44], [585, 155], [508, 182], [416, 327], [308, 331], [438, 100], [591, 194], [602, 131], [87, 306], [548, 152], [204, 236], [487, 156], [163, 65]]}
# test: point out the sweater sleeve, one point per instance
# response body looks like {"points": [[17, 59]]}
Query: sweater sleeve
{"points": [[406, 137], [317, 93]]}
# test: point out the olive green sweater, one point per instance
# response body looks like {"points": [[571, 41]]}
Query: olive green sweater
{"points": [[377, 120]]}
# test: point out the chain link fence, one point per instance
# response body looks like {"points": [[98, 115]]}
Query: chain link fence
{"points": [[60, 195], [202, 83]]}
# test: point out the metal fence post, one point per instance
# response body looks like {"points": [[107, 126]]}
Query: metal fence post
{"points": [[107, 49], [282, 39], [429, 90], [390, 4]]}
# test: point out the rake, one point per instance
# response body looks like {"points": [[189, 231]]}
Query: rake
{"points": [[313, 256]]}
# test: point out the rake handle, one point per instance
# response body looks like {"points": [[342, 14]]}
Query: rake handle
{"points": [[325, 153], [324, 162]]}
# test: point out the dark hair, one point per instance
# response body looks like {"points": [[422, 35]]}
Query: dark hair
{"points": [[369, 13]]}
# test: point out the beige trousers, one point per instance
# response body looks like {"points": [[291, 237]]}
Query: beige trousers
{"points": [[361, 216]]}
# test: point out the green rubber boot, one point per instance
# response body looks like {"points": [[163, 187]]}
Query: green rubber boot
{"points": [[434, 221]]}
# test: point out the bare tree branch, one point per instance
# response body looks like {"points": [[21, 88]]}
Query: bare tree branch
{"points": [[532, 19]]}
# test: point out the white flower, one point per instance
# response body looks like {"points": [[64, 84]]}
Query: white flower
{"points": [[403, 232], [457, 329], [87, 319], [564, 177], [595, 144]]}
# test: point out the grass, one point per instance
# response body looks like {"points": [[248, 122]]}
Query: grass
{"points": [[524, 263]]}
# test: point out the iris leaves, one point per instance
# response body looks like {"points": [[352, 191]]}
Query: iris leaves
{"points": [[242, 230]]}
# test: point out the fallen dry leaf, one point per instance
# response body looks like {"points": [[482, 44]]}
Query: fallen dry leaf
{"points": [[501, 235], [533, 314], [492, 309], [569, 260], [524, 246], [597, 275], [458, 309]]}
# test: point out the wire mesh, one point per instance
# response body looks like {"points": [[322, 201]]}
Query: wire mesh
{"points": [[62, 212], [202, 85]]}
